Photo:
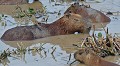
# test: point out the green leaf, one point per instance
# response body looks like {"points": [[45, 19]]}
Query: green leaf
{"points": [[3, 24], [99, 35], [31, 11], [22, 15]]}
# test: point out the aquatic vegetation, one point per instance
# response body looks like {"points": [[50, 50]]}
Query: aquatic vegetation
{"points": [[102, 46], [31, 11], [93, 48], [4, 20], [21, 52], [29, 15]]}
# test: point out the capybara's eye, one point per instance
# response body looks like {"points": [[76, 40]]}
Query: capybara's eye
{"points": [[76, 19], [80, 53]]}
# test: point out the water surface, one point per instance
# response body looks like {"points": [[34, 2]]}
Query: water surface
{"points": [[63, 44]]}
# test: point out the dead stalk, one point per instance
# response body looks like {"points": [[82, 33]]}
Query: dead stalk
{"points": [[69, 58], [83, 43], [53, 57], [53, 50], [73, 62], [117, 46]]}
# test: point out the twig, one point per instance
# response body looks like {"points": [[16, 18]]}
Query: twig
{"points": [[83, 42], [117, 35], [41, 46], [73, 62], [103, 28], [40, 54], [53, 57], [69, 58], [45, 54], [95, 41], [117, 46], [76, 45], [53, 50], [19, 46], [93, 37]]}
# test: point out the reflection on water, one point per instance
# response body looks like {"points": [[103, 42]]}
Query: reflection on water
{"points": [[36, 53], [65, 41], [42, 54]]}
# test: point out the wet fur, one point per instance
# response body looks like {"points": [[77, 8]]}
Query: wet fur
{"points": [[89, 58], [64, 25], [88, 13]]}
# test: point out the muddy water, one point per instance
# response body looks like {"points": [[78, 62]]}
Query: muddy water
{"points": [[63, 44]]}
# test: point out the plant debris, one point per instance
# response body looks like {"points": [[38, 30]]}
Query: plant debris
{"points": [[102, 46]]}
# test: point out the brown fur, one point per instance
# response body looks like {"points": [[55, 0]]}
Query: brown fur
{"points": [[69, 25], [89, 58], [89, 13], [64, 25]]}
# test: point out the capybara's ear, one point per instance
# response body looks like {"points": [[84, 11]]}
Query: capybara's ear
{"points": [[68, 15], [70, 11], [87, 51], [72, 5], [81, 51]]}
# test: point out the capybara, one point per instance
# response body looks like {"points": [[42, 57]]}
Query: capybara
{"points": [[68, 24], [88, 13], [89, 58]]}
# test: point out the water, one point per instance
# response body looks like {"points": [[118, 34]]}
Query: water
{"points": [[63, 43], [38, 57]]}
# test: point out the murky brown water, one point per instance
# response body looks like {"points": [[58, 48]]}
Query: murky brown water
{"points": [[64, 45]]}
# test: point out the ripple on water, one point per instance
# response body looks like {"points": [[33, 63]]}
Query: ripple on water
{"points": [[35, 56]]}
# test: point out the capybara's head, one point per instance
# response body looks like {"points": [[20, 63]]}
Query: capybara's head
{"points": [[72, 8], [83, 54], [80, 55], [94, 15], [75, 23], [77, 9]]}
